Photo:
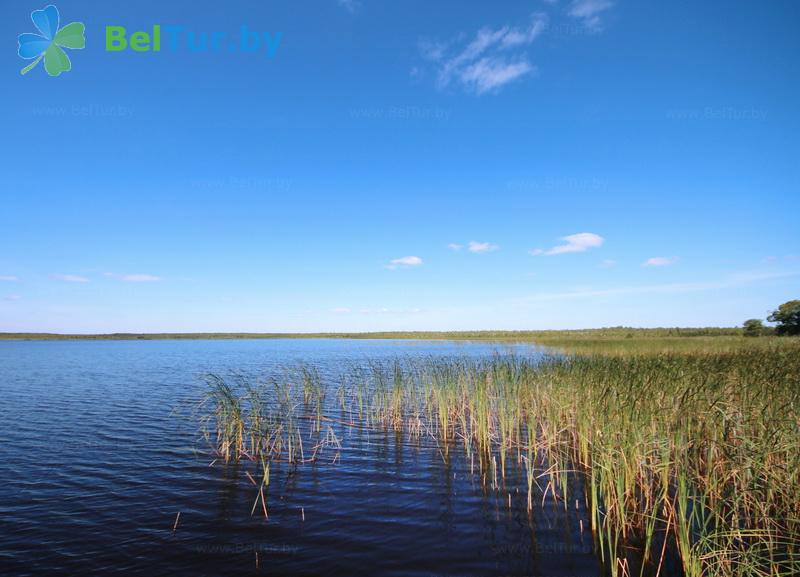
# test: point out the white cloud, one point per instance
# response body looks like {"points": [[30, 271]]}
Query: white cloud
{"points": [[580, 242], [133, 277], [9, 278], [492, 59], [489, 73], [590, 12], [351, 6], [433, 51], [404, 261], [70, 278], [408, 260], [12, 298], [480, 247], [388, 311], [661, 261], [455, 246], [139, 278]]}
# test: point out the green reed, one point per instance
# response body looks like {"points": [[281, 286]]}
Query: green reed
{"points": [[228, 418], [694, 454]]}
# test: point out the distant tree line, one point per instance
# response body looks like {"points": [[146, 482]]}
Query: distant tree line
{"points": [[786, 317]]}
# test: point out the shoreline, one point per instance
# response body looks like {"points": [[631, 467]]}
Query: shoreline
{"points": [[614, 333]]}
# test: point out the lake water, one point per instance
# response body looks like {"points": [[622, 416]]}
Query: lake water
{"points": [[98, 455]]}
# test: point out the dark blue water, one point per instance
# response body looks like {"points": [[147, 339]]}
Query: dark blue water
{"points": [[99, 452]]}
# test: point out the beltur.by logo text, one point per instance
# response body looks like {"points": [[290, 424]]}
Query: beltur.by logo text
{"points": [[175, 38]]}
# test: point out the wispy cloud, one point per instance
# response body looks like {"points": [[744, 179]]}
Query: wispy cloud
{"points": [[12, 298], [455, 246], [140, 278], [496, 57], [8, 278], [590, 12], [579, 242], [341, 310], [732, 281], [432, 51], [481, 247], [351, 6], [404, 261], [607, 263], [789, 257], [488, 74], [133, 277], [661, 261], [388, 311], [70, 277], [492, 59]]}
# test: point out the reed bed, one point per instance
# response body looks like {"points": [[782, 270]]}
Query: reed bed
{"points": [[694, 456]]}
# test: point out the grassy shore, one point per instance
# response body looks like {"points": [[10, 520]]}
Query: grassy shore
{"points": [[522, 336], [582, 344], [687, 454], [613, 340]]}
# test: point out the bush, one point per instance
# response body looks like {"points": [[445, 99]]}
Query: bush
{"points": [[753, 328]]}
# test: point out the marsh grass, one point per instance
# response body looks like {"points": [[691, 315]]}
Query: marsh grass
{"points": [[687, 454], [660, 341], [265, 424]]}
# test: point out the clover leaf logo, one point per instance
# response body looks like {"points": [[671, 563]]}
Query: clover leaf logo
{"points": [[49, 43]]}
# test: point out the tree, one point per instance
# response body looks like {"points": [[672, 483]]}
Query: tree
{"points": [[753, 328], [788, 318]]}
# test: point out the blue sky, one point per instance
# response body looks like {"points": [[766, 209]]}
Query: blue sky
{"points": [[405, 165]]}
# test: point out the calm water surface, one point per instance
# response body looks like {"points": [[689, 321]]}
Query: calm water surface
{"points": [[98, 454]]}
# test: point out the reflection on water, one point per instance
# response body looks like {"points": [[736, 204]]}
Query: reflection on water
{"points": [[96, 468]]}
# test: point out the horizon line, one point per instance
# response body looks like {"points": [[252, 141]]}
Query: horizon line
{"points": [[410, 335]]}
